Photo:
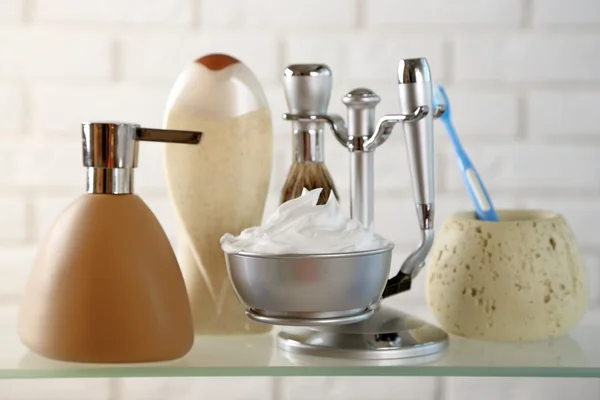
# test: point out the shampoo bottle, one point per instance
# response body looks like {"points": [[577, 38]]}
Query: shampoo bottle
{"points": [[219, 186]]}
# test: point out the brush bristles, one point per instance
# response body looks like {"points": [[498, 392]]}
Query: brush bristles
{"points": [[310, 176]]}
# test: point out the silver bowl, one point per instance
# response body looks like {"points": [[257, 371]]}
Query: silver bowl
{"points": [[310, 289]]}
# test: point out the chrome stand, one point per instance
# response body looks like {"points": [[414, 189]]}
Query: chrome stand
{"points": [[389, 333]]}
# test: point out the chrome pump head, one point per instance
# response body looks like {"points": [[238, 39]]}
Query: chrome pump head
{"points": [[110, 152]]}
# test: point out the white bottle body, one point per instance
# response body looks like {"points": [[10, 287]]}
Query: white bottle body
{"points": [[219, 186]]}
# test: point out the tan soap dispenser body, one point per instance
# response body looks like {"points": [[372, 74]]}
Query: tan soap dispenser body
{"points": [[105, 286], [221, 185]]}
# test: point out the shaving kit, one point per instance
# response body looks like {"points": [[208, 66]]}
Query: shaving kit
{"points": [[107, 287]]}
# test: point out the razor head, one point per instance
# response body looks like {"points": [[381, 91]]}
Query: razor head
{"points": [[413, 70]]}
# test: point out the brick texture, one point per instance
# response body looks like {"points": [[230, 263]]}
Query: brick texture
{"points": [[155, 12], [531, 57], [142, 104], [275, 13], [55, 389], [592, 262], [562, 114], [557, 12], [54, 54], [150, 173], [42, 163], [13, 218], [11, 110], [525, 167], [347, 54], [193, 388], [9, 314], [161, 56], [517, 389], [438, 12], [11, 10], [355, 388], [15, 264], [473, 110]]}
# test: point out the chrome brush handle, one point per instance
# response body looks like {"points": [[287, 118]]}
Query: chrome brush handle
{"points": [[307, 89]]}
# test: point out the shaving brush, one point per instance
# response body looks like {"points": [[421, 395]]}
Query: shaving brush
{"points": [[307, 89]]}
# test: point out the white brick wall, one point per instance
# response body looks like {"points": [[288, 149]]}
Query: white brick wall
{"points": [[38, 53], [524, 81], [28, 160], [13, 214], [550, 114], [159, 56], [11, 109], [528, 57], [276, 14], [438, 12], [15, 263], [56, 389], [521, 389], [247, 388], [357, 388], [11, 10], [572, 12], [363, 56], [532, 167], [131, 12], [125, 101], [500, 106]]}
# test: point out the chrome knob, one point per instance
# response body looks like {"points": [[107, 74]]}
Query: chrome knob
{"points": [[307, 88]]}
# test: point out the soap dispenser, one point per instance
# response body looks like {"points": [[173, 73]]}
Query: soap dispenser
{"points": [[105, 286]]}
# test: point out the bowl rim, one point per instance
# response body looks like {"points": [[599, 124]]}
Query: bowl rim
{"points": [[312, 256], [526, 215]]}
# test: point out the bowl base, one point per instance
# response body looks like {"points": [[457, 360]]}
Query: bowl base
{"points": [[312, 318], [389, 334]]}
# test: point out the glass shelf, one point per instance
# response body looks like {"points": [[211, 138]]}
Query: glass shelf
{"points": [[575, 355]]}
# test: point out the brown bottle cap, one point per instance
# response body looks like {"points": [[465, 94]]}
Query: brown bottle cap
{"points": [[217, 61]]}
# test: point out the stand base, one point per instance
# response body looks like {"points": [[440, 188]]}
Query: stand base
{"points": [[310, 319], [388, 334]]}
